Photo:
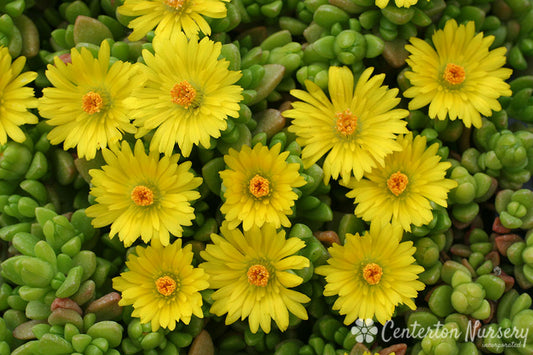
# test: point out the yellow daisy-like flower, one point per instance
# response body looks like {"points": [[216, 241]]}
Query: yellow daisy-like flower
{"points": [[460, 78], [252, 276], [141, 195], [402, 189], [162, 285], [259, 185], [188, 95], [87, 106], [15, 99], [356, 129], [170, 17], [399, 3], [372, 274]]}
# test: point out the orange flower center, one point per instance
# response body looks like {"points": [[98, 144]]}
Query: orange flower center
{"points": [[177, 4], [165, 285], [454, 74], [183, 94], [92, 102], [259, 186], [372, 273], [142, 196], [346, 122], [258, 275], [397, 183]]}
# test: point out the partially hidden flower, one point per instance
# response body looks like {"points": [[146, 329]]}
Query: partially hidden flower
{"points": [[86, 104], [15, 98], [188, 96], [400, 192], [141, 195], [399, 3], [460, 77], [170, 17], [252, 276], [162, 285], [355, 130], [259, 186], [372, 274]]}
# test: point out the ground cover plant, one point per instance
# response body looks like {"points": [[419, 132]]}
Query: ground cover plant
{"points": [[317, 177]]}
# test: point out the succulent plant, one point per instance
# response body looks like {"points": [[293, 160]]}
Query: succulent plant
{"points": [[520, 254]]}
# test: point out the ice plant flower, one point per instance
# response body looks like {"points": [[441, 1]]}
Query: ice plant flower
{"points": [[188, 95], [162, 285], [86, 105], [356, 129], [142, 195], [259, 186], [372, 274], [399, 3], [15, 99], [252, 276], [400, 192], [460, 78], [170, 17]]}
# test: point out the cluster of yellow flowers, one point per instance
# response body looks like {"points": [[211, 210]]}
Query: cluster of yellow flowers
{"points": [[183, 94]]}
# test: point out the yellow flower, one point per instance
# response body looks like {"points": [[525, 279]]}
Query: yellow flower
{"points": [[87, 106], [258, 187], [162, 285], [252, 276], [170, 17], [461, 78], [372, 274], [188, 94], [141, 195], [402, 189], [356, 129], [399, 3], [15, 99]]}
